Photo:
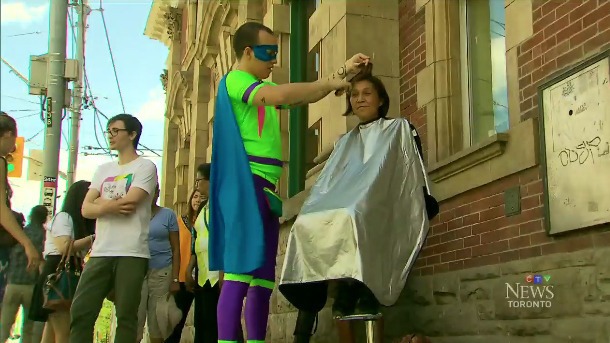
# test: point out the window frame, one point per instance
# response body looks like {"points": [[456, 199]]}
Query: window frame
{"points": [[468, 115]]}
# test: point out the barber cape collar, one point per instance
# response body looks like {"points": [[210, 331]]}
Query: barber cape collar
{"points": [[236, 228]]}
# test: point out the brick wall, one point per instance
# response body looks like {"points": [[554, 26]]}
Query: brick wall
{"points": [[564, 33], [412, 44], [472, 229]]}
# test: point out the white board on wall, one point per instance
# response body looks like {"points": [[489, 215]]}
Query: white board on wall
{"points": [[576, 125]]}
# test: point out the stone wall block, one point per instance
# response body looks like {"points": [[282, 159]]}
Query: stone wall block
{"points": [[445, 288], [557, 261], [480, 273], [417, 291], [475, 290]]}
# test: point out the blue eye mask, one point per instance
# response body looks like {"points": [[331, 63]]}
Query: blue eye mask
{"points": [[265, 53]]}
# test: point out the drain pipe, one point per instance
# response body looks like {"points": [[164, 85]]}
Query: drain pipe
{"points": [[297, 126]]}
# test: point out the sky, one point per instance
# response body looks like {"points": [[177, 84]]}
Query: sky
{"points": [[139, 60]]}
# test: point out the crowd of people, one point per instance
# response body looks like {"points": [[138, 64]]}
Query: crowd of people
{"points": [[154, 264]]}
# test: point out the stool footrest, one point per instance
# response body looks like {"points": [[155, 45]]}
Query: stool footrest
{"points": [[362, 317]]}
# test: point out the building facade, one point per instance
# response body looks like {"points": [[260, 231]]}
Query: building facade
{"points": [[485, 82]]}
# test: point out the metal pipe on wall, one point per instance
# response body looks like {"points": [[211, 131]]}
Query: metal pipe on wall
{"points": [[297, 126]]}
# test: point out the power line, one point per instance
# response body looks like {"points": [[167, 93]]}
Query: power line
{"points": [[116, 77], [18, 98], [34, 136]]}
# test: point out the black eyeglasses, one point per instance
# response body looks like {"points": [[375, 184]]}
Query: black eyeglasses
{"points": [[114, 131]]}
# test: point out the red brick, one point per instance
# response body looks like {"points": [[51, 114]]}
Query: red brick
{"points": [[448, 236], [463, 232], [548, 43], [568, 245], [566, 8], [519, 242], [482, 261], [433, 240], [556, 26], [432, 260], [594, 16], [604, 23], [543, 22], [448, 256], [529, 252], [597, 42], [439, 229], [454, 224], [582, 36], [441, 268], [535, 188], [490, 248], [492, 213], [530, 227], [456, 265], [549, 7], [508, 256], [579, 12], [556, 51], [530, 202], [500, 234], [420, 262], [540, 238], [570, 58], [449, 246], [463, 253], [471, 219], [531, 42], [472, 241], [487, 203], [569, 31]]}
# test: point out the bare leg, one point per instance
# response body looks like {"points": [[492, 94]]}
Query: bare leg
{"points": [[48, 334]]}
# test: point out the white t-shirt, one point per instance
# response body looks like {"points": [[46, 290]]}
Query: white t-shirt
{"points": [[117, 234], [61, 225]]}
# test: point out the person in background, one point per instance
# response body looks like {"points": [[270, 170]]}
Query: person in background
{"points": [[163, 268], [206, 283], [67, 225], [8, 220], [20, 281], [120, 198], [184, 297]]}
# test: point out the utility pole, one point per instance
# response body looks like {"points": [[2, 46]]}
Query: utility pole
{"points": [[77, 98], [56, 91]]}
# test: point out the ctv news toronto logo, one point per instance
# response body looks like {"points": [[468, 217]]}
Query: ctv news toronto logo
{"points": [[536, 292]]}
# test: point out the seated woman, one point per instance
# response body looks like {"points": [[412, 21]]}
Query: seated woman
{"points": [[365, 220]]}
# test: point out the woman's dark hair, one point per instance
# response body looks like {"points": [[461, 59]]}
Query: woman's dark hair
{"points": [[7, 124], [38, 215], [205, 169], [192, 214], [75, 197], [367, 75]]}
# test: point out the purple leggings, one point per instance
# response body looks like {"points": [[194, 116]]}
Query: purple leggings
{"points": [[255, 287]]}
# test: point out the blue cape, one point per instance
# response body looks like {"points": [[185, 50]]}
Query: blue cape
{"points": [[236, 234]]}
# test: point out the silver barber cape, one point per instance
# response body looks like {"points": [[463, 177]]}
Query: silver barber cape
{"points": [[365, 218]]}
